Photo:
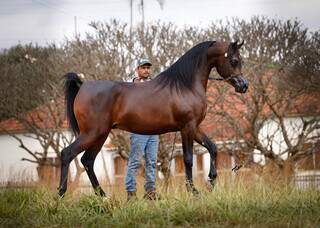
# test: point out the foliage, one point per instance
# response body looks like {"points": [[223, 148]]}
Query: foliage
{"points": [[24, 69]]}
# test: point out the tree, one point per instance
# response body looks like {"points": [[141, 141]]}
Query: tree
{"points": [[279, 117], [34, 93]]}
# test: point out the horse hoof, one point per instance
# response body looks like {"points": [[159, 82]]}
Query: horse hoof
{"points": [[106, 198], [61, 193], [192, 189], [211, 183], [99, 192], [195, 192]]}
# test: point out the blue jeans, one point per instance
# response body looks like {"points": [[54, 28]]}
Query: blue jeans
{"points": [[147, 146]]}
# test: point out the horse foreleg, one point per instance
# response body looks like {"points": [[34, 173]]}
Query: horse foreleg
{"points": [[203, 140], [187, 145], [87, 160]]}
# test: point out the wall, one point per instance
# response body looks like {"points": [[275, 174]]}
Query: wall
{"points": [[12, 168]]}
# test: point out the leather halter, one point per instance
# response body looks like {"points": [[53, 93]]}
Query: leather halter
{"points": [[224, 79]]}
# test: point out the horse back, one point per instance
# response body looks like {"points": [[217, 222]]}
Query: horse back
{"points": [[143, 108]]}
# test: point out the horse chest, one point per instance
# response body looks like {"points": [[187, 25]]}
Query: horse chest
{"points": [[190, 110]]}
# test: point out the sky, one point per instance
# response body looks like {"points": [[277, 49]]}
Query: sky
{"points": [[47, 21]]}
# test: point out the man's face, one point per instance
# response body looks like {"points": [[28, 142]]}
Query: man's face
{"points": [[144, 71]]}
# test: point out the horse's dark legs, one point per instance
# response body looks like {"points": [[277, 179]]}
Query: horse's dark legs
{"points": [[203, 140], [187, 145], [68, 154], [87, 160]]}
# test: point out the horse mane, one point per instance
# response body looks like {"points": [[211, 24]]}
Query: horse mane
{"points": [[181, 74]]}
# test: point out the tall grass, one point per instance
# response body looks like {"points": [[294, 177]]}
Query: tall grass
{"points": [[235, 204]]}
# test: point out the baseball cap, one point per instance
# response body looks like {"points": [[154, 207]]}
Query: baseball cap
{"points": [[142, 62]]}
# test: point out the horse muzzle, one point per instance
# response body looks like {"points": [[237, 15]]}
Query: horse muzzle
{"points": [[240, 84]]}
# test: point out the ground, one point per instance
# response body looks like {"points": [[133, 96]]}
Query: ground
{"points": [[257, 205]]}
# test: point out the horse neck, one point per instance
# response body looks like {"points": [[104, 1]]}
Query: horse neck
{"points": [[203, 76], [213, 52]]}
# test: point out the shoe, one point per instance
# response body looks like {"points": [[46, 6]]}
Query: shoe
{"points": [[131, 196], [152, 194]]}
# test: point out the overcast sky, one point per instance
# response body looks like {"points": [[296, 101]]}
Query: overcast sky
{"points": [[43, 21]]}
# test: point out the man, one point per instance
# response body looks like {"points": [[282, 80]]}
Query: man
{"points": [[142, 145]]}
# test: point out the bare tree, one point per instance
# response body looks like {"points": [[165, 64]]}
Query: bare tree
{"points": [[37, 105], [277, 119]]}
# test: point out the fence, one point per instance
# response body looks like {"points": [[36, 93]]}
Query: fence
{"points": [[307, 179]]}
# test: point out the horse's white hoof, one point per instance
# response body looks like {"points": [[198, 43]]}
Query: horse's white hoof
{"points": [[106, 198]]}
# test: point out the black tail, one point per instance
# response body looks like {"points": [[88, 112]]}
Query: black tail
{"points": [[71, 88]]}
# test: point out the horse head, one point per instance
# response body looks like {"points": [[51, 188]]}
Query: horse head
{"points": [[228, 64]]}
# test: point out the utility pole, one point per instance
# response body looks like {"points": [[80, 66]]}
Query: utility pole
{"points": [[75, 27], [142, 13], [141, 5], [161, 3], [131, 16]]}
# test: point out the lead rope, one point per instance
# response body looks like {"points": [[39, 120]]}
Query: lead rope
{"points": [[238, 167], [234, 169]]}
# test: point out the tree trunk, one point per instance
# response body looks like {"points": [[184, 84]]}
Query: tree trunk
{"points": [[288, 171], [165, 170]]}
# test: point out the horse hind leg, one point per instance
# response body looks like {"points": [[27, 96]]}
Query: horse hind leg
{"points": [[88, 159], [83, 142]]}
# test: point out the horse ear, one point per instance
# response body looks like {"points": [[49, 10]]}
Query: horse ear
{"points": [[239, 45], [234, 45]]}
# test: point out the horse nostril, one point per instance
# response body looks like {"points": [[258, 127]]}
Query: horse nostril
{"points": [[245, 88]]}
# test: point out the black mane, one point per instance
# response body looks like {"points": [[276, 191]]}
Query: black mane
{"points": [[181, 74]]}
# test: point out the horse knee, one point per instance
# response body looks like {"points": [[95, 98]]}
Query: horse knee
{"points": [[213, 147], [213, 152], [83, 160], [86, 162], [188, 161], [64, 156]]}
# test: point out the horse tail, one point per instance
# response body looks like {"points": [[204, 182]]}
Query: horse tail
{"points": [[71, 88]]}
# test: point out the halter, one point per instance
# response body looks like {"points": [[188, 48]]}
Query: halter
{"points": [[224, 79]]}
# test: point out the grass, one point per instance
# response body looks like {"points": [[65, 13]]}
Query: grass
{"points": [[235, 205]]}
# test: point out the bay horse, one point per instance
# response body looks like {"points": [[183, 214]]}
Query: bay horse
{"points": [[173, 101]]}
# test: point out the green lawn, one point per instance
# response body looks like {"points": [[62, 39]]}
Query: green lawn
{"points": [[232, 206]]}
